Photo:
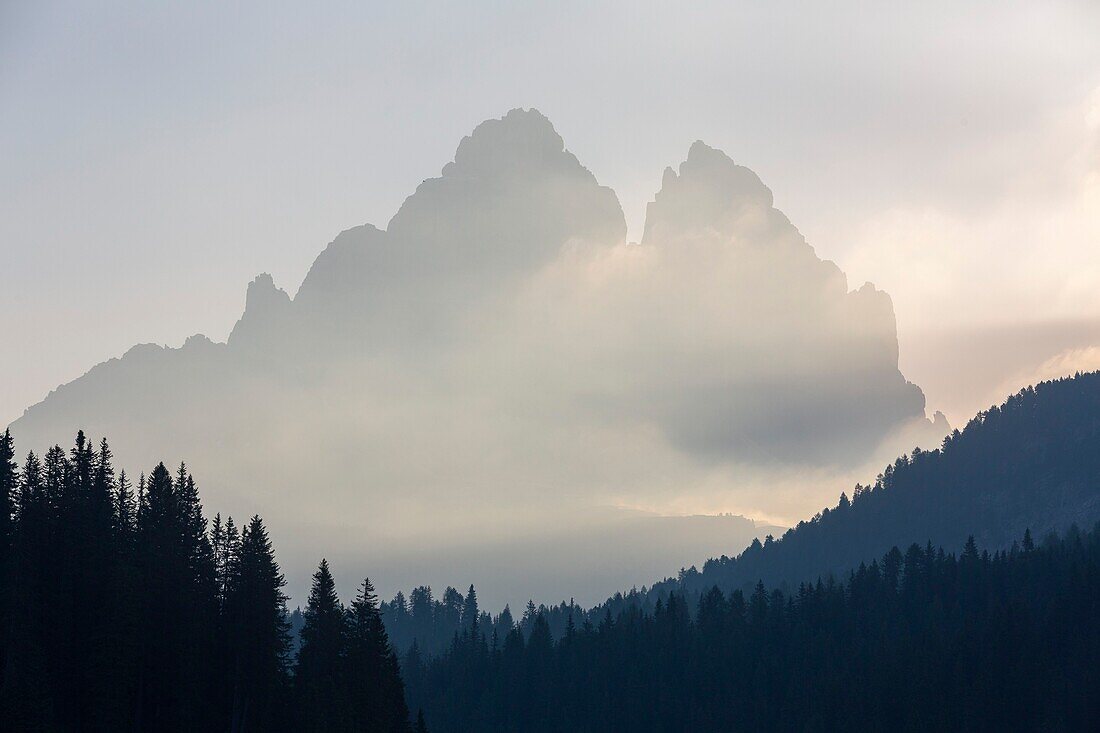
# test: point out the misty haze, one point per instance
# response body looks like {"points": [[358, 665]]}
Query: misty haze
{"points": [[634, 432], [499, 368]]}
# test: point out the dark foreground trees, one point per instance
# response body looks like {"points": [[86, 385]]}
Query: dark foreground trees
{"points": [[123, 611], [347, 677], [918, 641]]}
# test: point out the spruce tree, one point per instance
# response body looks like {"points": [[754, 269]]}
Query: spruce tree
{"points": [[258, 634], [125, 510], [178, 621], [470, 614], [26, 698], [8, 477], [376, 694], [318, 680]]}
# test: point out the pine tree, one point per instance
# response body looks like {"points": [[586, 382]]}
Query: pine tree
{"points": [[232, 555], [970, 550], [87, 591], [258, 634], [141, 496], [376, 693], [103, 488], [8, 482], [318, 680], [220, 552], [25, 693], [8, 478], [179, 618], [470, 614], [125, 510]]}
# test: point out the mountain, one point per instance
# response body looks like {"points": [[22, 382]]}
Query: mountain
{"points": [[499, 361], [1031, 464]]}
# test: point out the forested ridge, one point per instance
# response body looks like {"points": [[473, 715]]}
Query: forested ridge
{"points": [[123, 609], [1031, 463], [915, 641]]}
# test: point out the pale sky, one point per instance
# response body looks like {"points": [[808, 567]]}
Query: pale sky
{"points": [[158, 156]]}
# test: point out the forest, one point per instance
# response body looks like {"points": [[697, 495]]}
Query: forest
{"points": [[915, 641], [123, 608], [1028, 464]]}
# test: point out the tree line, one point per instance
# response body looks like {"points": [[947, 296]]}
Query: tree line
{"points": [[427, 625], [122, 609], [915, 641], [1030, 462]]}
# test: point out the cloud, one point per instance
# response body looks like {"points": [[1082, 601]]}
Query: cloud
{"points": [[1031, 254], [499, 361], [1064, 364]]}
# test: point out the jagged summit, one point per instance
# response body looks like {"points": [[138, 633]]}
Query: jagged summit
{"points": [[509, 202], [501, 337], [263, 296], [264, 307], [512, 180], [521, 141], [710, 191]]}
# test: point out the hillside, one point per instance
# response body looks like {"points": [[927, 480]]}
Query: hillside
{"points": [[918, 640], [1030, 463]]}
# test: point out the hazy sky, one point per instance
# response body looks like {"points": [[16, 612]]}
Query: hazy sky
{"points": [[157, 156]]}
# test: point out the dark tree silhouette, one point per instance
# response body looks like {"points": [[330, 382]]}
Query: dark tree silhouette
{"points": [[318, 678], [920, 641], [126, 613], [376, 692], [257, 634]]}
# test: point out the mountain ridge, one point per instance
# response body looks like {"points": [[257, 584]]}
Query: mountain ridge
{"points": [[1046, 478], [501, 338]]}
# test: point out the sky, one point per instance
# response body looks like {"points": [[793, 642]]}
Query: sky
{"points": [[158, 156]]}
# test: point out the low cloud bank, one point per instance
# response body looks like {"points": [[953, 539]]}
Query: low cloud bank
{"points": [[499, 360]]}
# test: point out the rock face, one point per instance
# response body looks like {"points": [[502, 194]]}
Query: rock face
{"points": [[499, 345], [711, 193], [266, 311], [505, 206]]}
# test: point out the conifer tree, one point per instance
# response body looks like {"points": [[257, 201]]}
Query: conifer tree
{"points": [[318, 680], [178, 621], [232, 554], [103, 488], [219, 549], [125, 509], [25, 699], [376, 693], [8, 477], [470, 614], [258, 634]]}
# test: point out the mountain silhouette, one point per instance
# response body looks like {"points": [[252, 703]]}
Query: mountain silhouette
{"points": [[500, 344], [1027, 465]]}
